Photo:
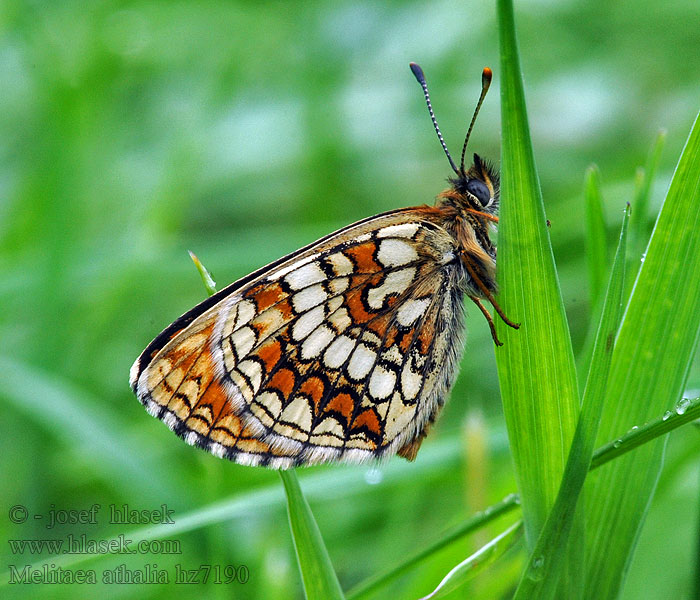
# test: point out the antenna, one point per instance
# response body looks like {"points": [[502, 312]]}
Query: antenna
{"points": [[418, 72], [486, 77]]}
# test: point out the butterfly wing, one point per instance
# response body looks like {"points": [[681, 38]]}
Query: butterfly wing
{"points": [[341, 351]]}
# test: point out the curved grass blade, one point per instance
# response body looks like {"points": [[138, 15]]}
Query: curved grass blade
{"points": [[685, 412], [536, 364], [483, 557], [320, 580], [653, 353], [540, 578]]}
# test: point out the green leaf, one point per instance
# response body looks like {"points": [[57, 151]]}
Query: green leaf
{"points": [[686, 411], [653, 353], [320, 580], [540, 578], [596, 236], [473, 565], [536, 364]]}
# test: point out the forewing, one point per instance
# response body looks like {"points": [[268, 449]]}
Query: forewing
{"points": [[342, 351]]}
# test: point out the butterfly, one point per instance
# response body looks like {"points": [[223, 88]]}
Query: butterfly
{"points": [[344, 350]]}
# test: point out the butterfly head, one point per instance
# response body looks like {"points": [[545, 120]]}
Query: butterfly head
{"points": [[478, 186]]}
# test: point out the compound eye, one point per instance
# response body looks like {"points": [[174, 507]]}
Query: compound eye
{"points": [[479, 190]]}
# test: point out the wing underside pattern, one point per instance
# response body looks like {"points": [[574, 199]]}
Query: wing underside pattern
{"points": [[344, 351]]}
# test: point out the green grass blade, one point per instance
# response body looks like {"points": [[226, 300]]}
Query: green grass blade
{"points": [[596, 236], [655, 346], [475, 522], [473, 565], [540, 578], [535, 365], [318, 575], [207, 279]]}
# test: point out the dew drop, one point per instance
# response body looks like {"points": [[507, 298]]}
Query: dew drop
{"points": [[374, 476], [536, 573], [644, 256], [514, 498], [617, 443], [682, 406], [667, 415]]}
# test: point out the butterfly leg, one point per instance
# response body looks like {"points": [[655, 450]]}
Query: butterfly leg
{"points": [[489, 318], [471, 269]]}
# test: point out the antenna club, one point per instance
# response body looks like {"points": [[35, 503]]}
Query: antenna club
{"points": [[486, 76], [417, 72]]}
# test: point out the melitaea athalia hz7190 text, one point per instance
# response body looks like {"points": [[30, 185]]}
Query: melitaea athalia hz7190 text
{"points": [[344, 350]]}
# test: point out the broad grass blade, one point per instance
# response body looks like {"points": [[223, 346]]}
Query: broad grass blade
{"points": [[536, 364]]}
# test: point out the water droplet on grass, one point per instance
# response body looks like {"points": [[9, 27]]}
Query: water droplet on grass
{"points": [[682, 406], [374, 476], [536, 573]]}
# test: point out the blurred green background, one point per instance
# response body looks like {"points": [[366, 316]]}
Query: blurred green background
{"points": [[131, 132]]}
